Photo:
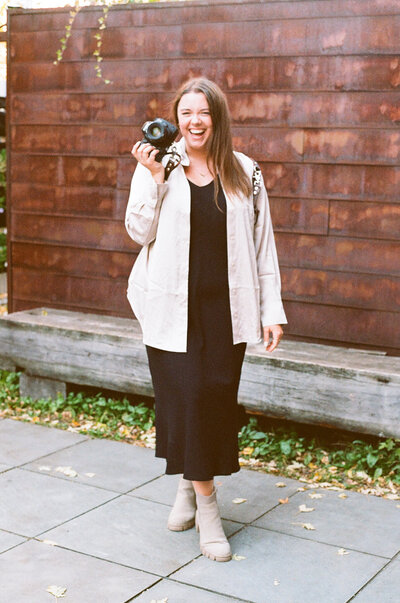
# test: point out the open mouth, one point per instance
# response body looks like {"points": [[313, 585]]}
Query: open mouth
{"points": [[197, 132]]}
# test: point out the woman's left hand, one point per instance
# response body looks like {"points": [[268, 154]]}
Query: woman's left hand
{"points": [[274, 331]]}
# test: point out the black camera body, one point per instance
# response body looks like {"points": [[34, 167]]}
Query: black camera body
{"points": [[161, 134]]}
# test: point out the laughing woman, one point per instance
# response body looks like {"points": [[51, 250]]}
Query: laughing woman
{"points": [[205, 284]]}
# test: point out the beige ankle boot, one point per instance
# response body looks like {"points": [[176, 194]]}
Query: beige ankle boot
{"points": [[183, 512], [213, 542]]}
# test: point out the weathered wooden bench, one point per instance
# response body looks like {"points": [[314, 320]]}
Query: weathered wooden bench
{"points": [[310, 383]]}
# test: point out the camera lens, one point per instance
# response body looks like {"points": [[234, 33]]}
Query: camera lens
{"points": [[155, 131]]}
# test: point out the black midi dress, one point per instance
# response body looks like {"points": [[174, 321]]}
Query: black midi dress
{"points": [[197, 416]]}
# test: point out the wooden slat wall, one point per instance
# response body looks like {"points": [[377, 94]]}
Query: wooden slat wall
{"points": [[314, 92]]}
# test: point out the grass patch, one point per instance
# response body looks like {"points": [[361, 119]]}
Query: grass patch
{"points": [[370, 464]]}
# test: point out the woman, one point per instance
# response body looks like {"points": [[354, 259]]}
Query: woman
{"points": [[204, 282]]}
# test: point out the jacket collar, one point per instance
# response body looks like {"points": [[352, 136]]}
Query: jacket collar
{"points": [[181, 148]]}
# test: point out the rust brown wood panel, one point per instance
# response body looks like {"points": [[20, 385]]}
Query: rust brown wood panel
{"points": [[294, 109], [70, 260], [344, 325], [313, 87], [90, 201], [76, 231], [217, 10], [366, 291], [81, 291], [371, 256], [295, 37], [257, 74]]}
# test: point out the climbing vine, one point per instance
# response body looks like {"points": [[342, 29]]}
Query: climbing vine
{"points": [[98, 36]]}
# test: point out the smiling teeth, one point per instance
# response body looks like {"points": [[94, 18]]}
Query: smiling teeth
{"points": [[196, 131]]}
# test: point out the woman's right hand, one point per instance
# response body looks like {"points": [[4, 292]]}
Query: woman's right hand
{"points": [[146, 154]]}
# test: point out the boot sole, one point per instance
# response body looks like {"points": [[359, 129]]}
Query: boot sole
{"points": [[214, 557], [182, 527]]}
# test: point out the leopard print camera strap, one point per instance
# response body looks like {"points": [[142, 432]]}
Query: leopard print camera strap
{"points": [[256, 181]]}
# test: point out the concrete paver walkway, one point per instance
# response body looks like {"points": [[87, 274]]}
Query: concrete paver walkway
{"points": [[90, 515]]}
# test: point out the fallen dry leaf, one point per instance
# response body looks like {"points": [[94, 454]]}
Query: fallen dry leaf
{"points": [[44, 468], [315, 495], [165, 600], [238, 501], [44, 313], [342, 552], [306, 526], [89, 474], [68, 471], [301, 489], [57, 591], [280, 485], [284, 501], [305, 509], [343, 495], [50, 542], [238, 557], [276, 582]]}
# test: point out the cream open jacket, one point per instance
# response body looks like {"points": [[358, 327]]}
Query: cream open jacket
{"points": [[158, 217]]}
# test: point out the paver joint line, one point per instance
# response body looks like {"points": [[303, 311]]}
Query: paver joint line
{"points": [[335, 546], [371, 579], [76, 516]]}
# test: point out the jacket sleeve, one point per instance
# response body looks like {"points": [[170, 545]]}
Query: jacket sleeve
{"points": [[143, 209], [272, 311]]}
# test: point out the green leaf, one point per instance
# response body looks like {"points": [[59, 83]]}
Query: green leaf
{"points": [[285, 447], [371, 459]]}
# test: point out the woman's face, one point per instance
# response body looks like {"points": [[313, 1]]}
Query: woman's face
{"points": [[195, 121]]}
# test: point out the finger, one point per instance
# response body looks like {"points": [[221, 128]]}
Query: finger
{"points": [[136, 147], [272, 345], [267, 335], [277, 336]]}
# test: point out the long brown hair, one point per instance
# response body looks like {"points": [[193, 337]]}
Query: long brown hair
{"points": [[220, 152]]}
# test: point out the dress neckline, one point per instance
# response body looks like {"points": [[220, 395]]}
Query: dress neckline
{"points": [[197, 185]]}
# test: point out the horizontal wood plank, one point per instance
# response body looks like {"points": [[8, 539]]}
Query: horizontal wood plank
{"points": [[77, 291], [277, 109], [71, 171], [276, 144], [254, 74], [346, 325], [375, 220], [344, 289], [315, 181], [299, 215], [141, 16], [295, 37], [91, 201], [77, 232], [336, 253], [72, 260]]}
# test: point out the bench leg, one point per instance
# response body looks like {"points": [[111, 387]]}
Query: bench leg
{"points": [[39, 388]]}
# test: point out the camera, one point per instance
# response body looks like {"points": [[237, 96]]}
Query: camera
{"points": [[161, 134]]}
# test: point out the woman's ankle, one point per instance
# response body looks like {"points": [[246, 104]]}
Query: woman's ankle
{"points": [[205, 488]]}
